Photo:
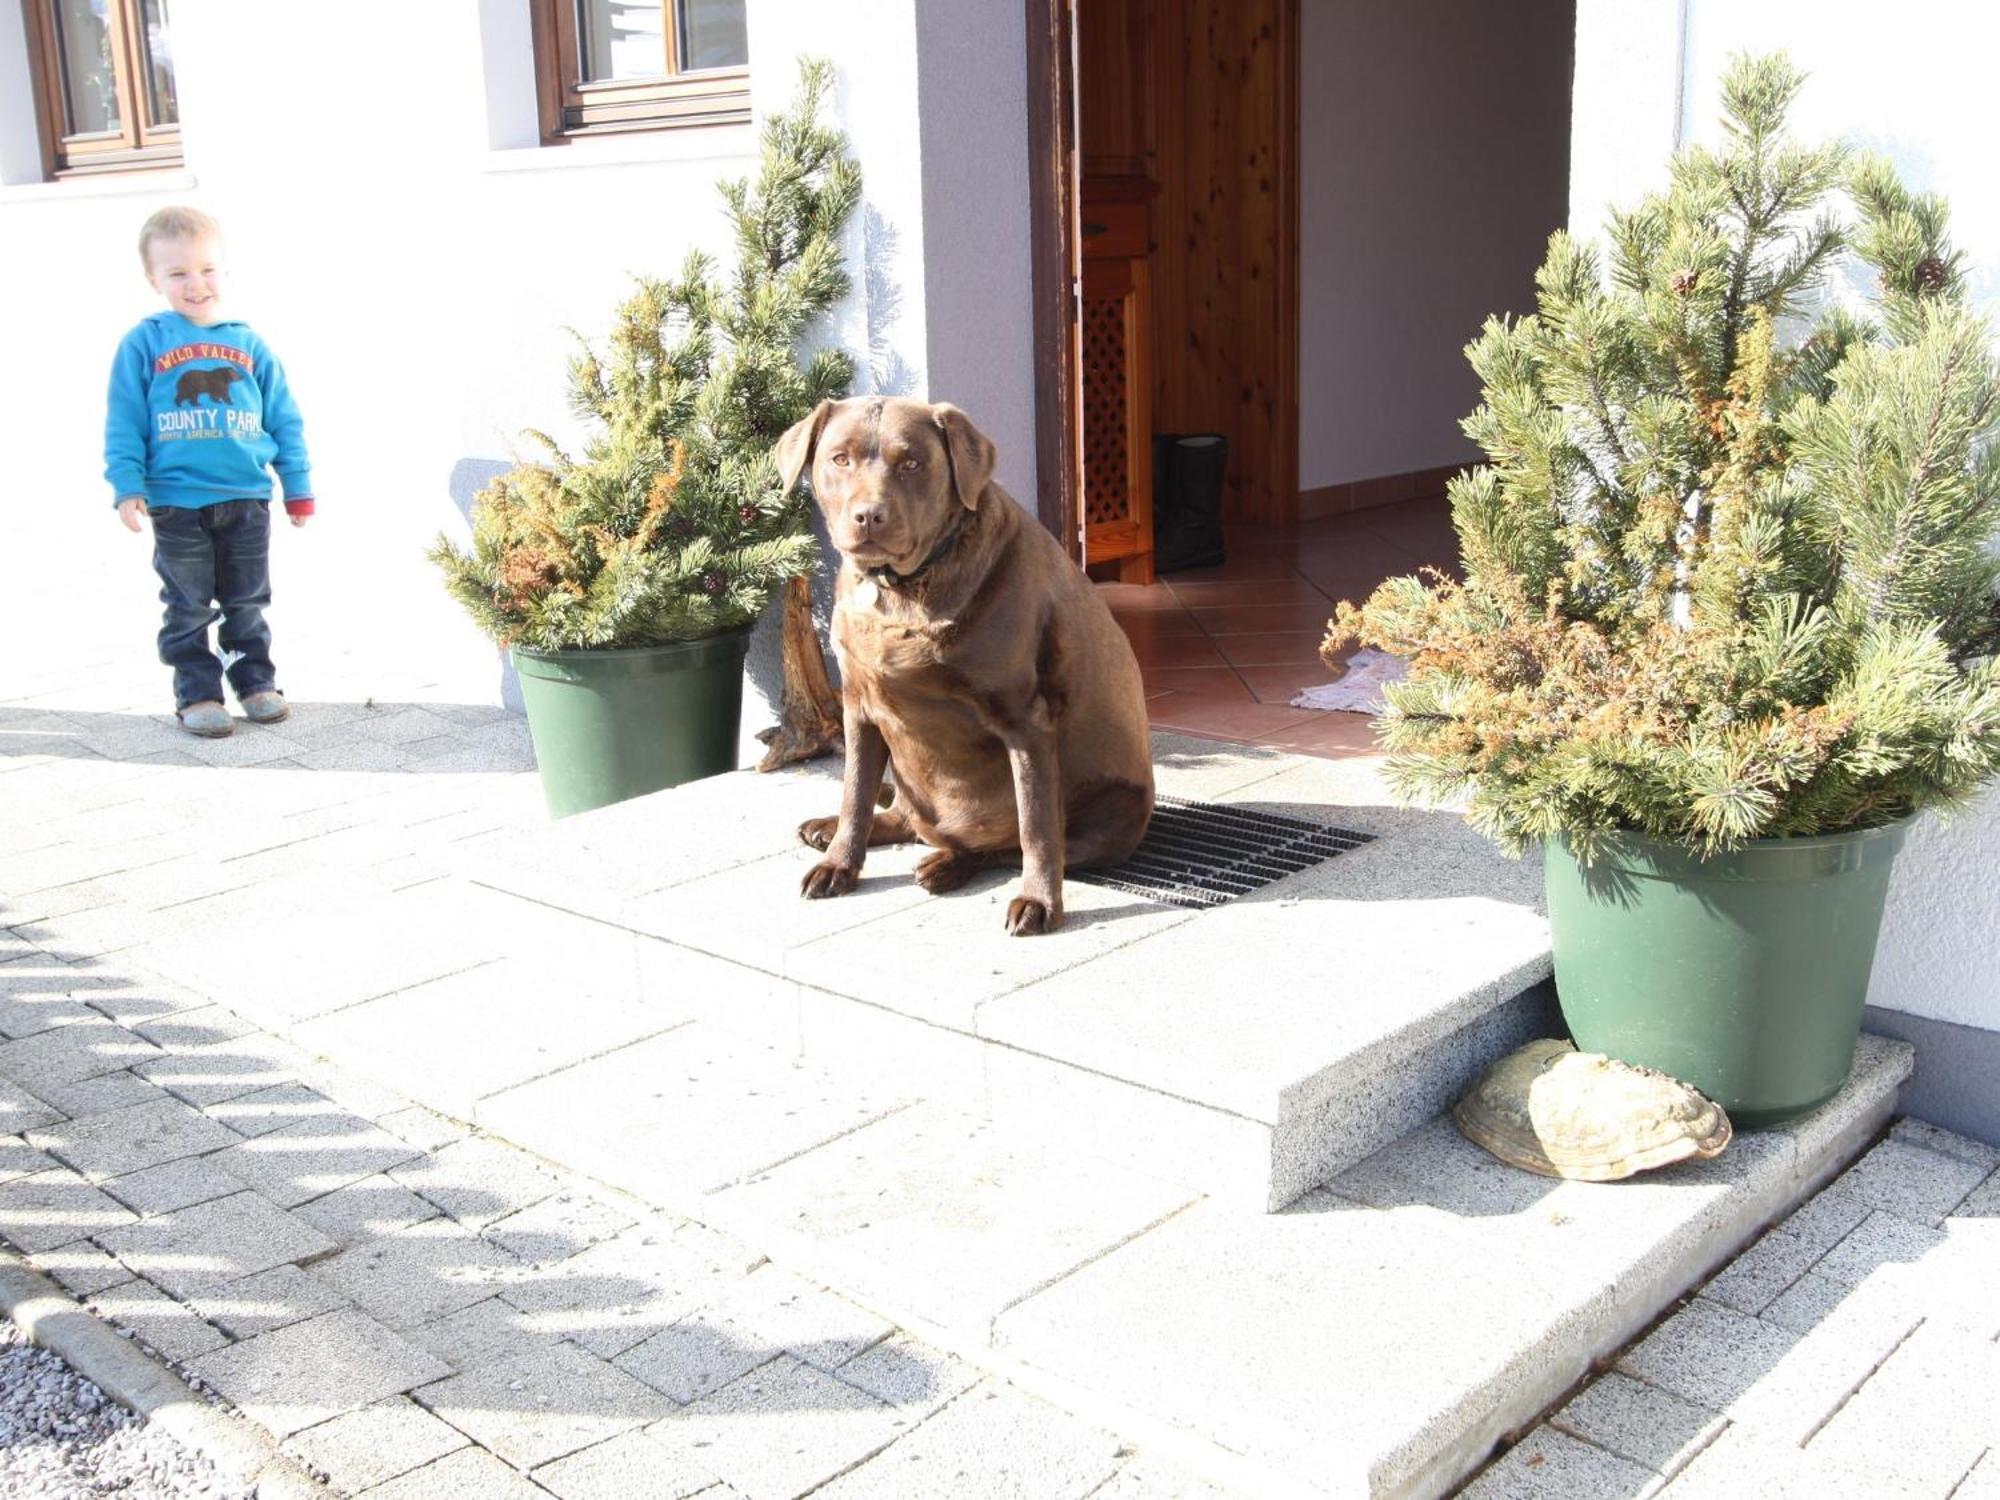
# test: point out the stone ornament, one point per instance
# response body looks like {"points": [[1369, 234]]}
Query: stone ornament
{"points": [[1549, 1108]]}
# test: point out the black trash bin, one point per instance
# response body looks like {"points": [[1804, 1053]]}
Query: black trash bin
{"points": [[1187, 499]]}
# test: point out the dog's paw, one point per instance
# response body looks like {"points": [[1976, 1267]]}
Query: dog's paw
{"points": [[1026, 917], [817, 833], [946, 870], [828, 879]]}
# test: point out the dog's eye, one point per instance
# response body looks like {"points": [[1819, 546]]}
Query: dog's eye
{"points": [[840, 460], [910, 465]]}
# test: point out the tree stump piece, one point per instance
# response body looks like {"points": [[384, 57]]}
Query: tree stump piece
{"points": [[809, 713]]}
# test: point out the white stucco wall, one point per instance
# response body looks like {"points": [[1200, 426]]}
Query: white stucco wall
{"points": [[417, 261], [1919, 90], [1433, 163]]}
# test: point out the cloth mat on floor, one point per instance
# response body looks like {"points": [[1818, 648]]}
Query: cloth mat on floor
{"points": [[1359, 691]]}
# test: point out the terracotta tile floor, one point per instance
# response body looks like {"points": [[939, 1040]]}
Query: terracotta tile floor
{"points": [[1224, 649]]}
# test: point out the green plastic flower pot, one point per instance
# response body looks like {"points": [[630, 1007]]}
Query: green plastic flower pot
{"points": [[1743, 974], [609, 725]]}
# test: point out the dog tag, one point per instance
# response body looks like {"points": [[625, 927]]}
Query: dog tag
{"points": [[867, 592]]}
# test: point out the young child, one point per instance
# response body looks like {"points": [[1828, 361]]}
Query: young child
{"points": [[199, 412]]}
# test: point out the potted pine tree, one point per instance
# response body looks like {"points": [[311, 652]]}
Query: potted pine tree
{"points": [[626, 581], [1728, 608]]}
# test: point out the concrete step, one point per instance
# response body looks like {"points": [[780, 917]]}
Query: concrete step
{"points": [[1253, 1049]]}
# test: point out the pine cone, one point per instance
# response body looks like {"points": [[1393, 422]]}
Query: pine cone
{"points": [[1931, 274], [749, 515], [1684, 282], [680, 528], [714, 583]]}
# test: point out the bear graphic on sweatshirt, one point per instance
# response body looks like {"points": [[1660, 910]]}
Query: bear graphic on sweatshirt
{"points": [[214, 384]]}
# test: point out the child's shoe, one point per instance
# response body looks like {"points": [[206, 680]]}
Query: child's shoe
{"points": [[267, 707], [210, 720]]}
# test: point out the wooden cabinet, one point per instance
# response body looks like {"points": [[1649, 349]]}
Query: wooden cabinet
{"points": [[1116, 332]]}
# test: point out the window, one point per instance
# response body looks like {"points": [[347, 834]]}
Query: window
{"points": [[617, 65], [104, 84]]}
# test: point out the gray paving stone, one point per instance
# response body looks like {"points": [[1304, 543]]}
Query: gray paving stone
{"points": [[697, 1355], [907, 1373], [993, 1442], [70, 1053], [129, 998], [172, 1185], [312, 1372], [1879, 1240], [1550, 1465], [1932, 1138], [674, 1116], [1707, 1354], [1809, 1302], [200, 1027], [558, 1227], [376, 1444], [26, 1014], [828, 1428], [1762, 1274], [629, 1465], [617, 1294], [425, 1129], [803, 1319], [538, 1407], [46, 1209], [938, 1213], [469, 1474], [1984, 1200], [1640, 1423], [21, 1110], [82, 1268], [270, 1300], [484, 1334], [1983, 1483], [207, 1076], [478, 1180], [313, 1157], [1826, 1365], [278, 1107], [1928, 1413], [19, 1159], [1912, 1181], [101, 1095], [170, 1328], [420, 1273], [1151, 1478], [366, 1210], [198, 1249], [131, 1140]]}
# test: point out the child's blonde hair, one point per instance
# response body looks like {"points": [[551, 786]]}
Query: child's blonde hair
{"points": [[174, 223]]}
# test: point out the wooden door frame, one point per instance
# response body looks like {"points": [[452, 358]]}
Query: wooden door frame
{"points": [[1055, 253]]}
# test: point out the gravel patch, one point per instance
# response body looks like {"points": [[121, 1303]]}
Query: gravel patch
{"points": [[61, 1437]]}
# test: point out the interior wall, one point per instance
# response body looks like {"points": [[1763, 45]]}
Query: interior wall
{"points": [[1434, 163]]}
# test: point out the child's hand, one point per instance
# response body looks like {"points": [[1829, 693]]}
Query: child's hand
{"points": [[130, 511], [300, 520]]}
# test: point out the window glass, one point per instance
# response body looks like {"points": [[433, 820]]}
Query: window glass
{"points": [[712, 34], [166, 104], [90, 83], [622, 39]]}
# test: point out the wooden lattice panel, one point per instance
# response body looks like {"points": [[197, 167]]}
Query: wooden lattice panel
{"points": [[1106, 494]]}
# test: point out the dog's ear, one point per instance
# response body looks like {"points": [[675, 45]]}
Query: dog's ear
{"points": [[970, 451], [795, 449]]}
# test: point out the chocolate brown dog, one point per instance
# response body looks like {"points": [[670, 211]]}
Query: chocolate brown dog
{"points": [[974, 657]]}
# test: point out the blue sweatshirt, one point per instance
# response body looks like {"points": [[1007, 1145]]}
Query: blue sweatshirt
{"points": [[198, 415]]}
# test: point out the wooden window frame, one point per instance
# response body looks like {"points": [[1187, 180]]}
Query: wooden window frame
{"points": [[571, 109], [140, 143]]}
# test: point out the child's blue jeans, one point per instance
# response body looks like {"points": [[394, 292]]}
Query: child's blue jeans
{"points": [[215, 560]]}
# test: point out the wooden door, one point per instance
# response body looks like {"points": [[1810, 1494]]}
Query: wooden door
{"points": [[1116, 325]]}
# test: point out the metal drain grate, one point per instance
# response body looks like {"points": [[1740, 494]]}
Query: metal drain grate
{"points": [[1202, 854]]}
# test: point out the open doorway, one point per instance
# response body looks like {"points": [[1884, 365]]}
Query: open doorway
{"points": [[1280, 221]]}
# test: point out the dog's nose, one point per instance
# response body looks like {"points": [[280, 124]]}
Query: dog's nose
{"points": [[869, 518]]}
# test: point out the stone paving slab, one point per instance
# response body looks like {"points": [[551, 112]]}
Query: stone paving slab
{"points": [[376, 1443], [200, 1249], [628, 1465], [311, 1372], [57, 1207], [942, 1217], [131, 1140], [542, 1406]]}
